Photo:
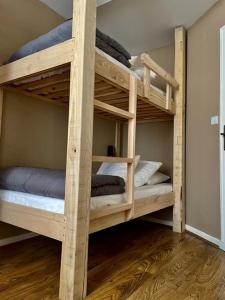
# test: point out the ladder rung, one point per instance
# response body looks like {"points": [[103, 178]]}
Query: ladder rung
{"points": [[112, 159], [113, 209], [113, 110]]}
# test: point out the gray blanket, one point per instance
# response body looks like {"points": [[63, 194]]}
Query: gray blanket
{"points": [[51, 183], [62, 33], [106, 185]]}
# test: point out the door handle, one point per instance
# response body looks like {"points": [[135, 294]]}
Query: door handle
{"points": [[223, 134]]}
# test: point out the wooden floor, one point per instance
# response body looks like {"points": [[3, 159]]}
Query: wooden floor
{"points": [[138, 261]]}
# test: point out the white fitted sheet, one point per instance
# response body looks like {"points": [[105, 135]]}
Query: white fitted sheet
{"points": [[57, 205]]}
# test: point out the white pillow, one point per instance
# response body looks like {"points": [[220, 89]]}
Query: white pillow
{"points": [[144, 171], [157, 178], [138, 68], [118, 169]]}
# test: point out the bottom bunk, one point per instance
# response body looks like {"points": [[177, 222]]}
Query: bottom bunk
{"points": [[45, 215]]}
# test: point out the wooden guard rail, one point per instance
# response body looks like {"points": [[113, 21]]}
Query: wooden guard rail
{"points": [[112, 160], [171, 83]]}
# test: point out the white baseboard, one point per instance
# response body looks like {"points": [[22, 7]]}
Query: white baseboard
{"points": [[191, 229], [203, 235], [222, 245], [17, 238]]}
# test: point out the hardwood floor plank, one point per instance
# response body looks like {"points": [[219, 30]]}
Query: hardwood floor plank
{"points": [[133, 261]]}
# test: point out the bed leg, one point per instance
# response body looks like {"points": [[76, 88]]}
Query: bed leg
{"points": [[73, 277], [179, 131], [131, 144]]}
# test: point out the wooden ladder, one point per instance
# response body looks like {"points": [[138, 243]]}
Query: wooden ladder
{"points": [[130, 116]]}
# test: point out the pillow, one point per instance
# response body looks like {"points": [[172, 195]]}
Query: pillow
{"points": [[118, 169], [144, 171], [157, 178], [138, 68]]}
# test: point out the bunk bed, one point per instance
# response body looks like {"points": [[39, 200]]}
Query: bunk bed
{"points": [[74, 73]]}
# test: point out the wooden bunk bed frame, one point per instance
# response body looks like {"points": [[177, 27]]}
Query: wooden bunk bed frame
{"points": [[74, 73]]}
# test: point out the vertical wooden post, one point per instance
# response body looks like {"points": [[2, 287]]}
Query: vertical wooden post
{"points": [[118, 131], [168, 96], [147, 82], [179, 131], [1, 108], [73, 275], [131, 143]]}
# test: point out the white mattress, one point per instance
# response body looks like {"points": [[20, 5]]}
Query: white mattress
{"points": [[57, 205]]}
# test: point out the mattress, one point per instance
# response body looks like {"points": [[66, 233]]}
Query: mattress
{"points": [[57, 205]]}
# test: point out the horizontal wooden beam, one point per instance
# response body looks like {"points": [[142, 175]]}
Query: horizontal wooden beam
{"points": [[32, 219], [141, 207], [113, 110], [158, 202], [38, 62], [112, 159], [152, 65], [106, 211]]}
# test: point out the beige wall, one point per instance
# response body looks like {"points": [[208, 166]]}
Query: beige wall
{"points": [[203, 86], [34, 133], [164, 57], [154, 141]]}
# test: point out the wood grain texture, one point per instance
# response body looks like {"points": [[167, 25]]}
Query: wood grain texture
{"points": [[118, 138], [131, 143], [136, 261], [153, 66], [41, 61], [53, 86], [33, 219], [179, 131], [73, 275], [1, 108]]}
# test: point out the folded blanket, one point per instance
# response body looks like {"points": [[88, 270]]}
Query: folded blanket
{"points": [[106, 185], [113, 43], [101, 44], [51, 183], [62, 33]]}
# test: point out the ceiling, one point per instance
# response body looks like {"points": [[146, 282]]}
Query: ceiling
{"points": [[142, 24], [64, 8]]}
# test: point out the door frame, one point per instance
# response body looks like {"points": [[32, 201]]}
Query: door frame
{"points": [[222, 123]]}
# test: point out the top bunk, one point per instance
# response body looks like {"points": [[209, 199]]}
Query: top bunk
{"points": [[46, 75]]}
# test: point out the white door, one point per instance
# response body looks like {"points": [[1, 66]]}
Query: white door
{"points": [[222, 134]]}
